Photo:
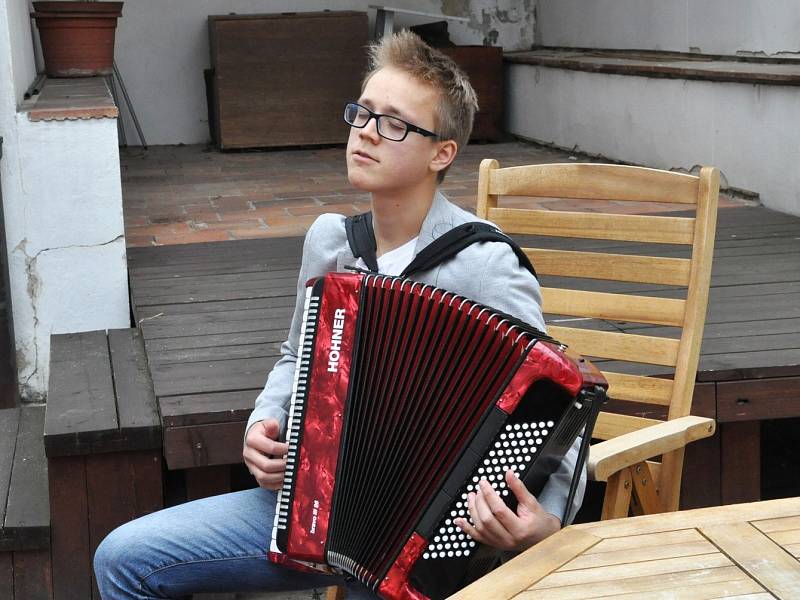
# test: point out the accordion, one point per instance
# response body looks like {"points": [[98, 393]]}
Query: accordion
{"points": [[406, 396]]}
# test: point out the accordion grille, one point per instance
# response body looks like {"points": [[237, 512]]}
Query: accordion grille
{"points": [[428, 366]]}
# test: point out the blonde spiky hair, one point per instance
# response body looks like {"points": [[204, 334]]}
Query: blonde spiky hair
{"points": [[458, 102]]}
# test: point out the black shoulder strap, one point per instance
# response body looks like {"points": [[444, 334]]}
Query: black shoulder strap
{"points": [[458, 238], [361, 238]]}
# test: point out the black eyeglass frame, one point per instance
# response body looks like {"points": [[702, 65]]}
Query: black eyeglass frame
{"points": [[410, 127]]}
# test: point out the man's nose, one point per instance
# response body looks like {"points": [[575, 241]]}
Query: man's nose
{"points": [[370, 130]]}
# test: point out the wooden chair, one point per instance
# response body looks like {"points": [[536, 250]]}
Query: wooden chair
{"points": [[601, 255], [624, 459]]}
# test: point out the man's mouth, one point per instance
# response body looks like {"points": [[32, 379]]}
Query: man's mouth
{"points": [[364, 155]]}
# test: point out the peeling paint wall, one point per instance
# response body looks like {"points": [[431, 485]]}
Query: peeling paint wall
{"points": [[162, 49], [64, 232], [706, 26]]}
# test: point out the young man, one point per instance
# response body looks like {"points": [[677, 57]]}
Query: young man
{"points": [[414, 113]]}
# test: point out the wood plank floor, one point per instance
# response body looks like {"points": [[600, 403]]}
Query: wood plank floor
{"points": [[214, 315]]}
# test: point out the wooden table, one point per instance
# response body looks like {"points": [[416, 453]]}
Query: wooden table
{"points": [[740, 550]]}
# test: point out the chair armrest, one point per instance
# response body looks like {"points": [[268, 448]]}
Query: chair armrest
{"points": [[609, 457]]}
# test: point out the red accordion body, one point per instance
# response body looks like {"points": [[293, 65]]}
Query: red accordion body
{"points": [[405, 396]]}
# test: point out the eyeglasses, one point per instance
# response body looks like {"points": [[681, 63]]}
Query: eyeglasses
{"points": [[391, 128]]}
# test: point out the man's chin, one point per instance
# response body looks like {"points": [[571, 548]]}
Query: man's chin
{"points": [[364, 184]]}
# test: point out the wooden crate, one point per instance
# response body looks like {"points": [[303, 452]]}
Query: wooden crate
{"points": [[484, 67], [283, 79]]}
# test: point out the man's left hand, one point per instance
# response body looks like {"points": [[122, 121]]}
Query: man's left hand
{"points": [[498, 526]]}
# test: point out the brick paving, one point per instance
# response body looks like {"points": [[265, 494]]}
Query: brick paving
{"points": [[187, 194]]}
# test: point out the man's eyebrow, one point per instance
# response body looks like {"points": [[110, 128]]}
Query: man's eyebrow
{"points": [[390, 110]]}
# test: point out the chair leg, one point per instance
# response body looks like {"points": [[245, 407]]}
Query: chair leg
{"points": [[670, 479], [618, 495], [336, 592], [645, 489]]}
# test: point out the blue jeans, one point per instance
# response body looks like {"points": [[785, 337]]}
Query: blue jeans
{"points": [[217, 544]]}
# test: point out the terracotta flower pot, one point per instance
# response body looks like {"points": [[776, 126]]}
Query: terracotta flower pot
{"points": [[77, 37]]}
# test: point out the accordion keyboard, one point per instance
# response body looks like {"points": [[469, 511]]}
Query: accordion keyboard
{"points": [[298, 403]]}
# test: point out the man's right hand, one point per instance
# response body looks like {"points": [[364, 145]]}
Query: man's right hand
{"points": [[264, 455]]}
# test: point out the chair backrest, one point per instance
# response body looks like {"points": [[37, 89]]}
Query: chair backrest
{"points": [[648, 275]]}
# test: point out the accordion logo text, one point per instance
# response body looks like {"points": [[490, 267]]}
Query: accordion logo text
{"points": [[405, 397]]}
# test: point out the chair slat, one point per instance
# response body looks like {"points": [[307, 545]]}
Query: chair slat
{"points": [[637, 388], [628, 228], [598, 182], [616, 307], [610, 425], [618, 346], [613, 267]]}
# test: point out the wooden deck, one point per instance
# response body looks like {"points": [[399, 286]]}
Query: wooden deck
{"points": [[214, 315]]}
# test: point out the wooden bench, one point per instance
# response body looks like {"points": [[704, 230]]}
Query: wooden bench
{"points": [[24, 506], [102, 438]]}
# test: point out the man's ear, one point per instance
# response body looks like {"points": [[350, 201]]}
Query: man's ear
{"points": [[445, 154]]}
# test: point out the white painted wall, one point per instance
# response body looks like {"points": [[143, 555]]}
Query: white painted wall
{"points": [[162, 49], [65, 238], [62, 204], [706, 26], [750, 132], [20, 33]]}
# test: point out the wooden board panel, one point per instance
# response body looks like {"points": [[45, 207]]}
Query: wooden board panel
{"points": [[223, 275], [619, 346], [32, 575], [625, 556], [27, 518], [82, 387], [646, 568], [210, 325], [604, 265], [136, 401], [758, 556], [769, 526], [198, 378], [200, 409], [228, 314], [149, 312], [203, 354], [166, 345], [640, 309], [111, 496], [698, 584], [632, 228], [147, 475], [221, 294], [759, 399], [633, 542], [71, 550], [204, 445], [209, 253], [9, 423], [203, 482], [483, 66], [636, 388], [6, 575], [282, 80], [741, 461], [577, 180], [611, 425]]}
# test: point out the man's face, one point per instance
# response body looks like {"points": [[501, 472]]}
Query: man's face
{"points": [[375, 164]]}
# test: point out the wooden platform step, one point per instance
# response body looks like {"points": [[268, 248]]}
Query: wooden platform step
{"points": [[24, 506], [103, 442]]}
